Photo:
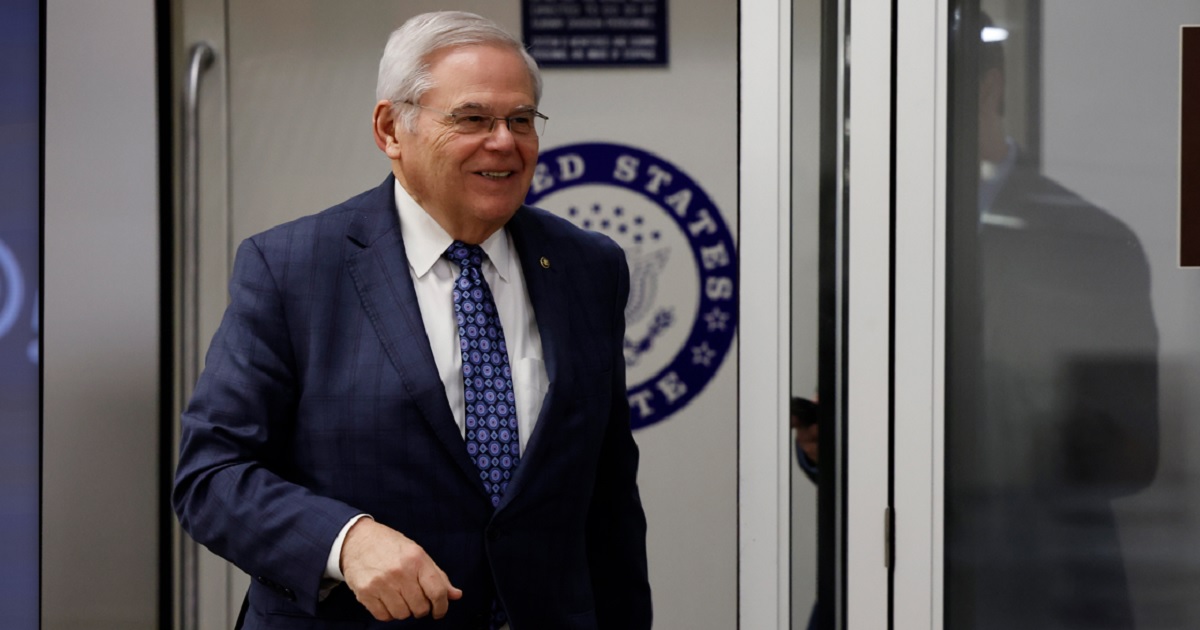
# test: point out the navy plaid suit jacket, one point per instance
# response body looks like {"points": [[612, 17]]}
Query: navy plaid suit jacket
{"points": [[320, 400]]}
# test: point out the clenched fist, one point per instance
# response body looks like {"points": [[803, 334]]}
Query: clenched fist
{"points": [[392, 575]]}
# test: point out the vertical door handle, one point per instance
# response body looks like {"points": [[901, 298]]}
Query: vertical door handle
{"points": [[200, 57]]}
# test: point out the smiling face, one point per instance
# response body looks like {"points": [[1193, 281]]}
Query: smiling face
{"points": [[471, 184]]}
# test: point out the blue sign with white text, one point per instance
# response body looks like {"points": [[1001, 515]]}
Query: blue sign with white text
{"points": [[596, 32]]}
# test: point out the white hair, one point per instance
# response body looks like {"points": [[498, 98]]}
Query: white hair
{"points": [[404, 68]]}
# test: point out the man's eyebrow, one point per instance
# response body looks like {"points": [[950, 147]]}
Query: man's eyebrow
{"points": [[480, 107]]}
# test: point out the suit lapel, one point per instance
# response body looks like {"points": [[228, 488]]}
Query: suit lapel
{"points": [[379, 268], [548, 294]]}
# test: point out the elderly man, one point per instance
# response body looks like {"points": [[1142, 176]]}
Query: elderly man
{"points": [[413, 414]]}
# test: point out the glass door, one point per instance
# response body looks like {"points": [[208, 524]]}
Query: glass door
{"points": [[1057, 491]]}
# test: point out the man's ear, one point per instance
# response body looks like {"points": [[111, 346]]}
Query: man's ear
{"points": [[383, 121]]}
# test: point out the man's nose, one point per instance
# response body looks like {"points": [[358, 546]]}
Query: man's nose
{"points": [[500, 137]]}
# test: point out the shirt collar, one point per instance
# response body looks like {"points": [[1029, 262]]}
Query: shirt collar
{"points": [[425, 241]]}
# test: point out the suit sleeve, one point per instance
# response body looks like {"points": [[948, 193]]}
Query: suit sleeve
{"points": [[616, 521], [232, 493]]}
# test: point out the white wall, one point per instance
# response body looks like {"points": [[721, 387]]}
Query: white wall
{"points": [[100, 352], [686, 114]]}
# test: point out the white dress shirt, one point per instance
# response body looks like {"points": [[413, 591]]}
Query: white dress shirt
{"points": [[433, 280]]}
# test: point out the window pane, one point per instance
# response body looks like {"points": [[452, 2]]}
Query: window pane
{"points": [[1073, 353]]}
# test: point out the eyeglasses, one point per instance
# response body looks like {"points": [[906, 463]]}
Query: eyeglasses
{"points": [[529, 123]]}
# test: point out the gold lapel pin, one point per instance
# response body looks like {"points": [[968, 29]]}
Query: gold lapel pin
{"points": [[545, 262]]}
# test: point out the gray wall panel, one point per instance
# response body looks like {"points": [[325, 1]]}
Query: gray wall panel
{"points": [[100, 547]]}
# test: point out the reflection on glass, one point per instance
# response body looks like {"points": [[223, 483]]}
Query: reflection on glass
{"points": [[805, 428], [1053, 368], [814, 55]]}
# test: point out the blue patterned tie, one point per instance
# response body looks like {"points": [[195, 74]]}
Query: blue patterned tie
{"points": [[491, 416], [487, 382]]}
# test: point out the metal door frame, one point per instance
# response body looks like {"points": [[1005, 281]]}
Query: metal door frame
{"points": [[921, 107], [877, 209]]}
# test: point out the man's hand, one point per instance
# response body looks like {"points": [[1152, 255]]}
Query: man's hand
{"points": [[392, 575]]}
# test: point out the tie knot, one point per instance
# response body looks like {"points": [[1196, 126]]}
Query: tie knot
{"points": [[466, 256]]}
